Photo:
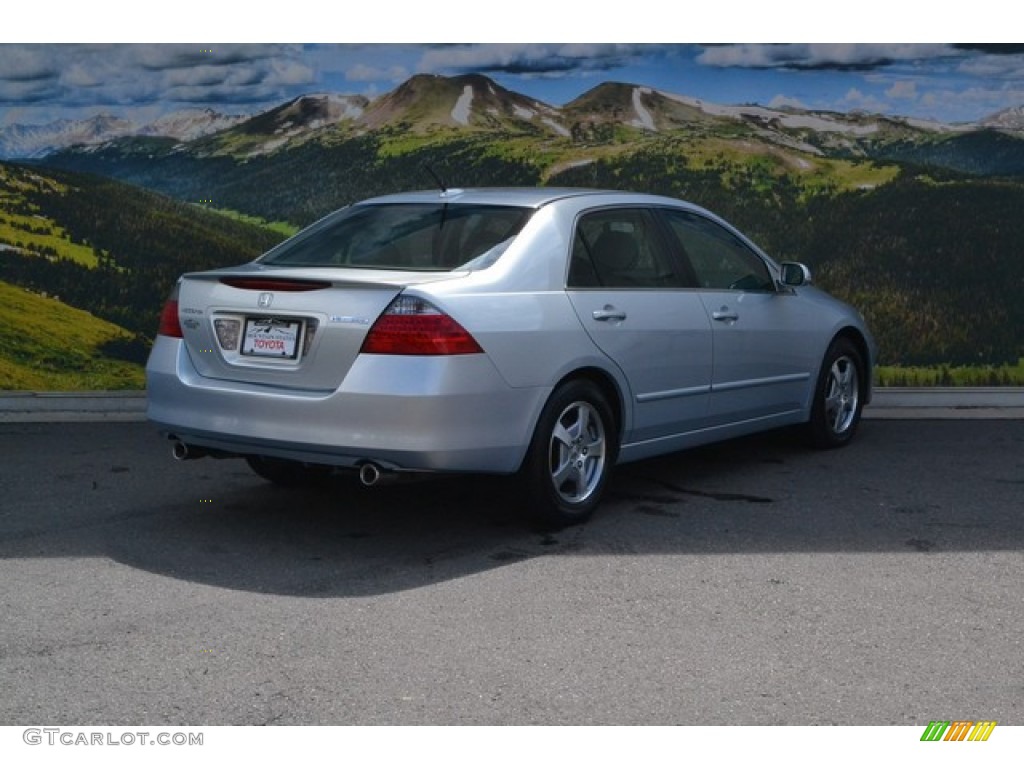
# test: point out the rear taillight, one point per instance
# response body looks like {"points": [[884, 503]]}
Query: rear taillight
{"points": [[169, 323], [413, 326]]}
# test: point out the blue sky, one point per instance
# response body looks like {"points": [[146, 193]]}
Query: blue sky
{"points": [[44, 81]]}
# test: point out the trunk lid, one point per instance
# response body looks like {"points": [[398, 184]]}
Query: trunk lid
{"points": [[293, 328]]}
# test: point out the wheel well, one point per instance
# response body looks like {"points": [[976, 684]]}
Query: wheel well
{"points": [[608, 388], [853, 335]]}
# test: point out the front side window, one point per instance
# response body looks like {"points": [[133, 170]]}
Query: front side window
{"points": [[620, 249], [422, 237], [719, 259]]}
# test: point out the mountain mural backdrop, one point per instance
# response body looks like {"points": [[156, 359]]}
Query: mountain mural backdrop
{"points": [[916, 223]]}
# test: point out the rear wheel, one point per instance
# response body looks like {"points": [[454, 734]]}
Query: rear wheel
{"points": [[837, 399], [288, 473], [571, 454]]}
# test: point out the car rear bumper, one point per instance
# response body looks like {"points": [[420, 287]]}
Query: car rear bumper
{"points": [[445, 413]]}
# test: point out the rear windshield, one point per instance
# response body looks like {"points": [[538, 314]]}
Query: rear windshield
{"points": [[422, 237]]}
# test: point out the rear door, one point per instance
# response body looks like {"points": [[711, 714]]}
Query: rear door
{"points": [[638, 305]]}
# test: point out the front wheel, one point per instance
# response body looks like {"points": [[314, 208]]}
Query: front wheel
{"points": [[837, 398], [571, 454]]}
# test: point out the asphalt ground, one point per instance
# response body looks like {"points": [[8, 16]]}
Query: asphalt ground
{"points": [[752, 583]]}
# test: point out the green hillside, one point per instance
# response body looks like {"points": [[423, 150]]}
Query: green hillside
{"points": [[109, 248], [93, 260], [24, 229], [47, 345]]}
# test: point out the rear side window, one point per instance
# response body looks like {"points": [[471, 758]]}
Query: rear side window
{"points": [[719, 259], [620, 249], [421, 237]]}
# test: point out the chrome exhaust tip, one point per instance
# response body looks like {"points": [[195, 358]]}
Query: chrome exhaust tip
{"points": [[369, 474], [182, 452]]}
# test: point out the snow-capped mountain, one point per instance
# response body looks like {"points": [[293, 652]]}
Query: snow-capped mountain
{"points": [[39, 140], [425, 104], [34, 141], [293, 121], [466, 101], [1007, 120], [305, 113], [189, 124]]}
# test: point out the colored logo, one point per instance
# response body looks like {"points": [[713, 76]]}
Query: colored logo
{"points": [[958, 730]]}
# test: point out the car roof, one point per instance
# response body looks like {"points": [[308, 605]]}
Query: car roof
{"points": [[532, 197]]}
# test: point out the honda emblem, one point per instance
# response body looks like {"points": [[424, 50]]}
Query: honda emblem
{"points": [[265, 300]]}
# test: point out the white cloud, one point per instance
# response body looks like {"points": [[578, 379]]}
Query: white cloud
{"points": [[26, 63], [903, 89], [27, 92], [820, 55], [196, 76], [855, 99], [738, 56], [139, 75], [530, 58], [780, 101], [970, 103], [77, 76], [179, 56], [1002, 67], [364, 73], [289, 72]]}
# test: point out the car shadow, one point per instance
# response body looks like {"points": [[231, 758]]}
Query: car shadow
{"points": [[900, 487]]}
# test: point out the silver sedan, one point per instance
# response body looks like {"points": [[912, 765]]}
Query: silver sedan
{"points": [[547, 332]]}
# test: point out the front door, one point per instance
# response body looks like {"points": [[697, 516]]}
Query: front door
{"points": [[763, 362]]}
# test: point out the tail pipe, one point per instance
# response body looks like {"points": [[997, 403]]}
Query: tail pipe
{"points": [[369, 474], [183, 452]]}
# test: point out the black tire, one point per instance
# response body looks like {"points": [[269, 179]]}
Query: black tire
{"points": [[573, 449], [838, 396], [286, 473]]}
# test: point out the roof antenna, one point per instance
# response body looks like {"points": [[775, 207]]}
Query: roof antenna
{"points": [[435, 177]]}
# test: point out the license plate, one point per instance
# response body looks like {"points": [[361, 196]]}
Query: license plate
{"points": [[271, 337]]}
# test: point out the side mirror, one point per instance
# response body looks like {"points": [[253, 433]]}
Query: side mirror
{"points": [[795, 274]]}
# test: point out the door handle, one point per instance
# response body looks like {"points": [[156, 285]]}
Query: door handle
{"points": [[609, 313], [725, 315]]}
